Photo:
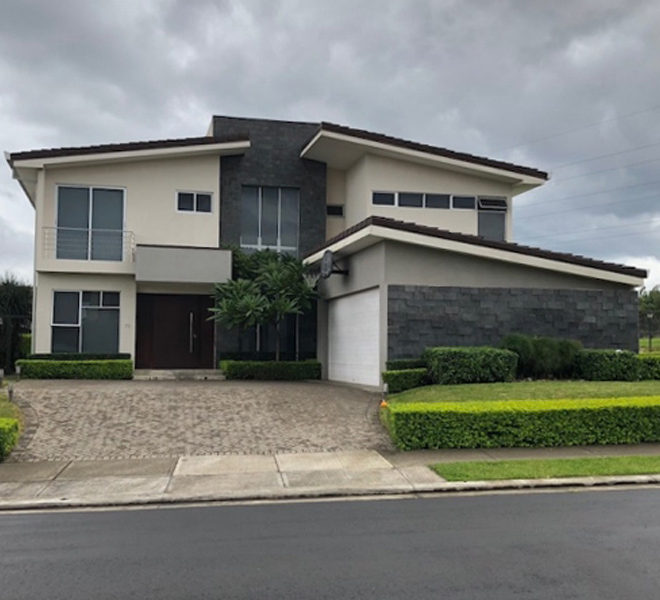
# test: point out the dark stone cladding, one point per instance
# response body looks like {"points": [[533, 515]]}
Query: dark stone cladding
{"points": [[423, 316], [273, 159]]}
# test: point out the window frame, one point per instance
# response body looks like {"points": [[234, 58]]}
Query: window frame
{"points": [[195, 193], [338, 207], [79, 324], [279, 248], [473, 196], [90, 194]]}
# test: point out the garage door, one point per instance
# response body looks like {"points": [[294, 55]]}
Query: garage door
{"points": [[353, 338]]}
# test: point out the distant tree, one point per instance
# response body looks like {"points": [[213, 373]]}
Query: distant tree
{"points": [[649, 303], [16, 314]]}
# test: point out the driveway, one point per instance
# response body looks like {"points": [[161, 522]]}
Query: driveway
{"points": [[91, 420]]}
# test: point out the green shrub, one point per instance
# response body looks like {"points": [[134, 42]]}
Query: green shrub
{"points": [[400, 364], [607, 365], [470, 364], [75, 369], [404, 379], [271, 370], [80, 356], [8, 436], [24, 345], [524, 423], [543, 357], [649, 367]]}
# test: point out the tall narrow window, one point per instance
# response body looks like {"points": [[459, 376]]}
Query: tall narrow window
{"points": [[492, 218], [270, 218], [90, 223]]}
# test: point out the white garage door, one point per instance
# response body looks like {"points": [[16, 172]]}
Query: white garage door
{"points": [[353, 338]]}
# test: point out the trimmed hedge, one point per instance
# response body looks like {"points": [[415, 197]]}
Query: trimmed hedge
{"points": [[79, 356], [524, 423], [75, 369], [649, 366], [478, 364], [401, 364], [8, 436], [271, 370], [543, 357], [404, 379], [24, 345], [607, 365]]}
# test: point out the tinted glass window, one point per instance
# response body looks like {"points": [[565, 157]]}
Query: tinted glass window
{"points": [[72, 223], [335, 210], [250, 215], [64, 339], [289, 217], [437, 200], [65, 308], [269, 210], [464, 202], [100, 330], [410, 199], [492, 225], [110, 298], [91, 298], [186, 201], [383, 198], [204, 203]]}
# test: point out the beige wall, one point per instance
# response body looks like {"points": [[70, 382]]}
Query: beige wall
{"points": [[47, 283], [335, 195], [377, 173], [150, 204]]}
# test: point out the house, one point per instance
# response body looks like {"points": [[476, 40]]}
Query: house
{"points": [[130, 238]]}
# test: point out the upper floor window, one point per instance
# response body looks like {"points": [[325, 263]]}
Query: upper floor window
{"points": [[270, 218], [492, 218], [467, 202], [194, 202], [85, 322], [90, 222]]}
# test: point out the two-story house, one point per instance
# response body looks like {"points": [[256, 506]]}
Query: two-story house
{"points": [[131, 237]]}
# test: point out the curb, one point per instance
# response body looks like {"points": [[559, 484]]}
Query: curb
{"points": [[336, 492]]}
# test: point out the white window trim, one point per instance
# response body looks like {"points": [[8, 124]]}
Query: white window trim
{"points": [[278, 247], [194, 211], [78, 325]]}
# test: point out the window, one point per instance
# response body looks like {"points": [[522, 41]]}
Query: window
{"points": [[85, 322], [270, 218], [334, 210], [89, 223], [463, 202], [383, 198], [437, 200], [409, 199], [193, 202], [492, 218]]}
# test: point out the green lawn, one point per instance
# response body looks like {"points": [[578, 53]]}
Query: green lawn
{"points": [[7, 409], [542, 468], [528, 390], [644, 344]]}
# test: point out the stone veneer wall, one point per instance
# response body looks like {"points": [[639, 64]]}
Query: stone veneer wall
{"points": [[423, 316]]}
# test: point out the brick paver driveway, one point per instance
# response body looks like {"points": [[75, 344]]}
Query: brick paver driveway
{"points": [[81, 420]]}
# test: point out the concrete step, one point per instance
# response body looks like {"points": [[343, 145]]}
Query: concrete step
{"points": [[178, 375]]}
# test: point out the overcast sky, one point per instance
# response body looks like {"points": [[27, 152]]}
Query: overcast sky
{"points": [[571, 88]]}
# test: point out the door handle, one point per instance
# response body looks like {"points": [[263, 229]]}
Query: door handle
{"points": [[191, 334]]}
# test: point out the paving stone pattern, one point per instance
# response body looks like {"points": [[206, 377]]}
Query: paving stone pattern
{"points": [[423, 316], [81, 420]]}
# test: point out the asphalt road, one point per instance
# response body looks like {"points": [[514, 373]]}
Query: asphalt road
{"points": [[584, 545]]}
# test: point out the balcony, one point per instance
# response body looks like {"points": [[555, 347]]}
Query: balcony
{"points": [[69, 243], [181, 264]]}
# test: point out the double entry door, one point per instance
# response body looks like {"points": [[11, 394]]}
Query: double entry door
{"points": [[173, 332]]}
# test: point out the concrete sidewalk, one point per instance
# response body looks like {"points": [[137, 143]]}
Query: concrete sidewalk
{"points": [[277, 476]]}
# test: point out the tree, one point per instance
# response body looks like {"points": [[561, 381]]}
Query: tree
{"points": [[649, 303], [266, 287], [15, 313]]}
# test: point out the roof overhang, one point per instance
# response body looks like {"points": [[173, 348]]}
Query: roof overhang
{"points": [[372, 234], [25, 170], [341, 151]]}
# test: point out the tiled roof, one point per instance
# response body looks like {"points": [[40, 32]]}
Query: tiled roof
{"points": [[123, 147], [479, 241], [437, 151]]}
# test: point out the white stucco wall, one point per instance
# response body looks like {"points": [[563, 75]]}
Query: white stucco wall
{"points": [[376, 173], [335, 195]]}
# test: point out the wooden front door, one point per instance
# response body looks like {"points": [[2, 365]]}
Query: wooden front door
{"points": [[173, 332]]}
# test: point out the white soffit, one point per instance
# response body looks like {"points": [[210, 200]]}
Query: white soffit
{"points": [[341, 151], [373, 234]]}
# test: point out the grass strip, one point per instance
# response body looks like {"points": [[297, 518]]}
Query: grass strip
{"points": [[548, 468]]}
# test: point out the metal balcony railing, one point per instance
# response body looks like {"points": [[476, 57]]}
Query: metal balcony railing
{"points": [[88, 244]]}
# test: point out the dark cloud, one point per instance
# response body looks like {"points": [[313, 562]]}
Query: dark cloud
{"points": [[495, 78]]}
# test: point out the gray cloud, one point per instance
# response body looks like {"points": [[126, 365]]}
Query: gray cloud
{"points": [[483, 77]]}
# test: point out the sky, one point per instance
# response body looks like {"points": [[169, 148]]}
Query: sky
{"points": [[569, 88]]}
